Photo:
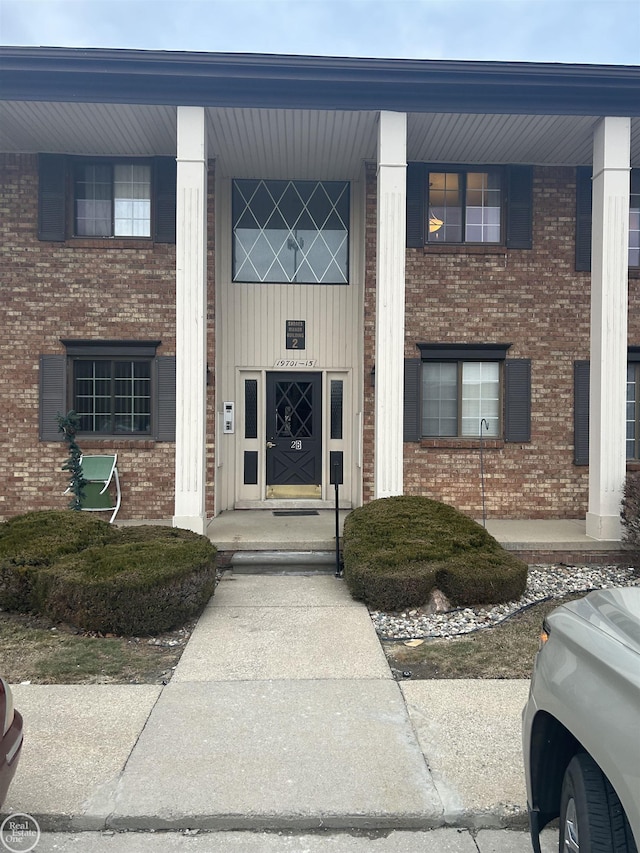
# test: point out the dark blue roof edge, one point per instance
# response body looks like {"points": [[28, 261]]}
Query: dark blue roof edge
{"points": [[286, 81]]}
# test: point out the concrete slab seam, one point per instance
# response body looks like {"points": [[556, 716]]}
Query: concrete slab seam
{"points": [[86, 817]]}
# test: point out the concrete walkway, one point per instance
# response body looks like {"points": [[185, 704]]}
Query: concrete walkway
{"points": [[282, 714]]}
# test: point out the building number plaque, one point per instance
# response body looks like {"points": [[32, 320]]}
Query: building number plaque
{"points": [[295, 334]]}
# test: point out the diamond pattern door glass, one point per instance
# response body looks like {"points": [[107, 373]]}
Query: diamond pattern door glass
{"points": [[291, 231], [294, 410]]}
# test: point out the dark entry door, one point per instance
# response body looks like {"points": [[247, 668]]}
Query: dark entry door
{"points": [[294, 433]]}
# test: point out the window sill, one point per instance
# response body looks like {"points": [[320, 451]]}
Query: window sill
{"points": [[465, 249], [109, 243], [142, 443], [462, 443], [633, 465]]}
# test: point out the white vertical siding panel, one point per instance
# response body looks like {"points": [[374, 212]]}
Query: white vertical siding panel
{"points": [[253, 332], [251, 321]]}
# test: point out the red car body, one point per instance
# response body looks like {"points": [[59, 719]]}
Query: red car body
{"points": [[11, 744]]}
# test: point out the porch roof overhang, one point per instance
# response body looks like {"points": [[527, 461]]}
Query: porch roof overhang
{"points": [[297, 116], [312, 82]]}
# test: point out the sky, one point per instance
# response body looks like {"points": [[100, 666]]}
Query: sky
{"points": [[582, 31]]}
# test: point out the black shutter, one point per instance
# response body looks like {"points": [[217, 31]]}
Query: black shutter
{"points": [[166, 398], [415, 205], [583, 218], [635, 181], [52, 395], [51, 197], [164, 188], [412, 376], [517, 415], [519, 207], [581, 413]]}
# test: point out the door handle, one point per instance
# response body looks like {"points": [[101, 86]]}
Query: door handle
{"points": [[270, 444]]}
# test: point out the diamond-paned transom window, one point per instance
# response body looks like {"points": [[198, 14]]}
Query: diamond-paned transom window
{"points": [[291, 231]]}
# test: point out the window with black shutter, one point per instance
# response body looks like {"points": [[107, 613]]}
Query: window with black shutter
{"points": [[117, 388], [462, 391], [482, 205], [102, 198]]}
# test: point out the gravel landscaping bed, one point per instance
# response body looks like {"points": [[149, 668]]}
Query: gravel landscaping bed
{"points": [[544, 582]]}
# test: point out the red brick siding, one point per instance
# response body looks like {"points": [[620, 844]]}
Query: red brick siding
{"points": [[78, 289], [533, 299]]}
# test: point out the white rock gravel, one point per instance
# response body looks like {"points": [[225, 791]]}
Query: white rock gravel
{"points": [[544, 582]]}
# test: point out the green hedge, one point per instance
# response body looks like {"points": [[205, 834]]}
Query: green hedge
{"points": [[396, 550], [37, 539], [79, 569]]}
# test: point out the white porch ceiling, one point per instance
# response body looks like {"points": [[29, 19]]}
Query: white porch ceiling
{"points": [[95, 129], [287, 143], [294, 144]]}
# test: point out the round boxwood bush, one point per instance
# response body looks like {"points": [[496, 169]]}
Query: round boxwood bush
{"points": [[396, 550], [75, 568]]}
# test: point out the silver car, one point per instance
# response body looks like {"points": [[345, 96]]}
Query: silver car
{"points": [[581, 725]]}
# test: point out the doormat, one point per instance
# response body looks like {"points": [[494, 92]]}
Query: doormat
{"points": [[295, 512]]}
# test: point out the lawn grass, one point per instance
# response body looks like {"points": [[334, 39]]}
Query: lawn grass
{"points": [[35, 650], [505, 651]]}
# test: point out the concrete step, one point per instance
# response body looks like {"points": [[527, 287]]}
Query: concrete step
{"points": [[282, 562]]}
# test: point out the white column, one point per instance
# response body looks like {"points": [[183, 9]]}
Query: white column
{"points": [[191, 318], [390, 272], [609, 285]]}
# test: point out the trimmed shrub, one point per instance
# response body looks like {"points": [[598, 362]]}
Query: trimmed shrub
{"points": [[38, 538], [29, 542], [73, 567], [155, 533], [482, 578], [396, 550], [394, 589], [132, 587]]}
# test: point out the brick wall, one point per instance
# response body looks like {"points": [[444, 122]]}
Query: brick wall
{"points": [[533, 299], [79, 289]]}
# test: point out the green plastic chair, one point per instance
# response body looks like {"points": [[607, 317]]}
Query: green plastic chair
{"points": [[100, 472]]}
